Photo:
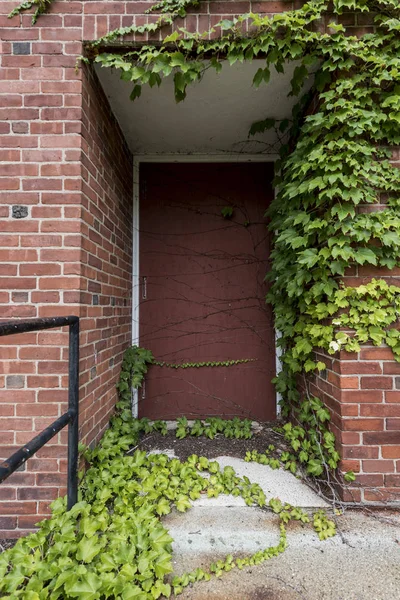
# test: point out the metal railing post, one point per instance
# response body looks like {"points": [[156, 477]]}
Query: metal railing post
{"points": [[73, 407], [70, 418]]}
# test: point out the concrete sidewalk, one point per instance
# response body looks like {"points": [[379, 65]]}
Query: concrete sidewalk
{"points": [[362, 562]]}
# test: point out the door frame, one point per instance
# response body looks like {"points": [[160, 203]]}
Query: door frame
{"points": [[138, 159]]}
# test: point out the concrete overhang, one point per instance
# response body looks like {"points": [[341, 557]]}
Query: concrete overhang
{"points": [[214, 118]]}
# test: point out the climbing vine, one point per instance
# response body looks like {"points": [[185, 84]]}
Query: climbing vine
{"points": [[112, 543], [336, 212], [197, 365]]}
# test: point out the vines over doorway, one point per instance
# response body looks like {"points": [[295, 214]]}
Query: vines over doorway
{"points": [[338, 193]]}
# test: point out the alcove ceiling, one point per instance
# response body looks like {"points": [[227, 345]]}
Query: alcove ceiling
{"points": [[214, 118]]}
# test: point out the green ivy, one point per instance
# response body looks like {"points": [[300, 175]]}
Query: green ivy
{"points": [[196, 365], [112, 543], [338, 195], [40, 7]]}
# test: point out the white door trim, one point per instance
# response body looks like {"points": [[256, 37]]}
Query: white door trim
{"points": [[175, 158]]}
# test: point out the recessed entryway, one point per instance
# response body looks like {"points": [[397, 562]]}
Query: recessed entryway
{"points": [[204, 248]]}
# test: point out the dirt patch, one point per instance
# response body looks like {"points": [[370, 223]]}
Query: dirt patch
{"points": [[219, 446]]}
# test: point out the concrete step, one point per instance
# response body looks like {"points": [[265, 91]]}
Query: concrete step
{"points": [[362, 562]]}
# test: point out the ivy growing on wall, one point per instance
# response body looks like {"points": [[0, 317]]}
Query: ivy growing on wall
{"points": [[112, 543], [337, 206]]}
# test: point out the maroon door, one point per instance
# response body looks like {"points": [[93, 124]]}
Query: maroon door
{"points": [[202, 289]]}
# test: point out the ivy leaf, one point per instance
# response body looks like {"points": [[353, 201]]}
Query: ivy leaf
{"points": [[261, 126], [163, 507], [88, 548], [227, 212], [225, 24], [314, 467], [136, 92], [160, 538], [171, 38], [133, 592], [163, 565], [349, 476], [86, 587], [308, 257], [177, 59], [260, 76], [182, 503], [363, 255]]}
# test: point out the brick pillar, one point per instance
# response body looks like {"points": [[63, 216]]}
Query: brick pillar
{"points": [[362, 391]]}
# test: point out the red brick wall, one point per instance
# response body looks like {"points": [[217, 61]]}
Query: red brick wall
{"points": [[106, 259], [362, 391], [64, 161]]}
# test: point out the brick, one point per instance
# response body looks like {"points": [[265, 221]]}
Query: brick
{"points": [[350, 465], [391, 368], [347, 383], [50, 479], [350, 494], [52, 396], [34, 493], [382, 438], [7, 493], [28, 522], [363, 425], [43, 381], [370, 480], [360, 452], [392, 397], [18, 508], [17, 396], [15, 381], [359, 367], [370, 397], [8, 523], [380, 410], [20, 296], [39, 269], [20, 127], [392, 481], [377, 383], [376, 354], [378, 466], [37, 409], [57, 283], [21, 48]]}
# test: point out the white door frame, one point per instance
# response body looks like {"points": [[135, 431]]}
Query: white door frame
{"points": [[138, 159]]}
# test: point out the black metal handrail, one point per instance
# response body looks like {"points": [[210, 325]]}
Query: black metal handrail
{"points": [[70, 418]]}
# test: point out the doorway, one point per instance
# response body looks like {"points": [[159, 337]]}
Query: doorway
{"points": [[203, 255]]}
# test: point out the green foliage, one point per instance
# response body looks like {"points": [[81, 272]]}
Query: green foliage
{"points": [[337, 206], [325, 527], [332, 179], [265, 458], [196, 365], [112, 544], [311, 440], [40, 7], [227, 212], [230, 428]]}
